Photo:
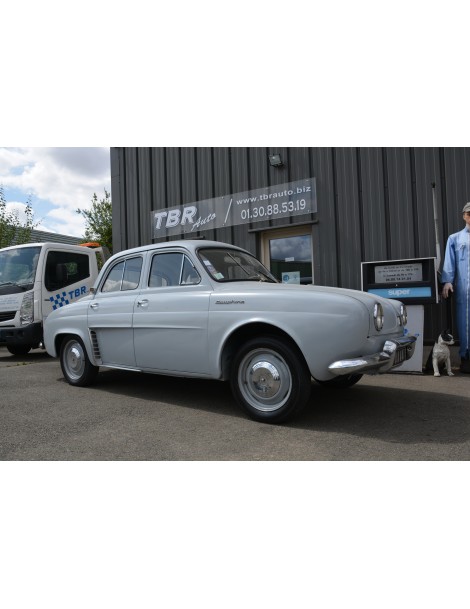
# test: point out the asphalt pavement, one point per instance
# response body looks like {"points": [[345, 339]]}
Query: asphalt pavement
{"points": [[136, 417]]}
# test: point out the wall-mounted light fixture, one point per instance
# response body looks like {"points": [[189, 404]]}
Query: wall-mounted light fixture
{"points": [[275, 160]]}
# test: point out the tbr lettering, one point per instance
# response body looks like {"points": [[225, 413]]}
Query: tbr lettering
{"points": [[174, 217], [78, 292]]}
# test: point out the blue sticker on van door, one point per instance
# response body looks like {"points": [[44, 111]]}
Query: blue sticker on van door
{"points": [[64, 298]]}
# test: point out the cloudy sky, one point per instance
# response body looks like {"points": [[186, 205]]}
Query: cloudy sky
{"points": [[57, 181]]}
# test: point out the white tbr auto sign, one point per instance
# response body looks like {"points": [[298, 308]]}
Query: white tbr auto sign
{"points": [[280, 201]]}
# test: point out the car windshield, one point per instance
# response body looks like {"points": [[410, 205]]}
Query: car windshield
{"points": [[225, 264], [18, 269]]}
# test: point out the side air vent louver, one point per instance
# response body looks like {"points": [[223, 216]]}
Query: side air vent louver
{"points": [[96, 348]]}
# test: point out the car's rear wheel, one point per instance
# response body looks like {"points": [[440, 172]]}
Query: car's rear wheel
{"points": [[342, 382], [270, 380], [76, 366]]}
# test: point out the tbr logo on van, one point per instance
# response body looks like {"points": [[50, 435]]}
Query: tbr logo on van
{"points": [[60, 300]]}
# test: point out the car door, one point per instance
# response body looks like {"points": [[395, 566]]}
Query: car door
{"points": [[170, 318], [111, 310]]}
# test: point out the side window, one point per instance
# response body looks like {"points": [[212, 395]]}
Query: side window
{"points": [[125, 275], [65, 268], [172, 269], [189, 276]]}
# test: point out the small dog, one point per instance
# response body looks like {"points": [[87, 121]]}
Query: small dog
{"points": [[441, 353]]}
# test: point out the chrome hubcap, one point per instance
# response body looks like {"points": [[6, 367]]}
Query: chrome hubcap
{"points": [[264, 380], [74, 360]]}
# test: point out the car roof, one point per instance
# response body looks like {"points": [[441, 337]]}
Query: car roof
{"points": [[189, 244]]}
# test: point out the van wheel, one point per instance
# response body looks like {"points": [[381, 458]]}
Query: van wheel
{"points": [[270, 380], [19, 349], [76, 366]]}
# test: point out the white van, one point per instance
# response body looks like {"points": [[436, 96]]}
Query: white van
{"points": [[37, 278]]}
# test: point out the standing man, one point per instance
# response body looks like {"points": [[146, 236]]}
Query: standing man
{"points": [[456, 273]]}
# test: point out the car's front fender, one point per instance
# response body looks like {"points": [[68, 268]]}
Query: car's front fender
{"points": [[70, 320]]}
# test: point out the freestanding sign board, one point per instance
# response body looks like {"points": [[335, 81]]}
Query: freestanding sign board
{"points": [[414, 282]]}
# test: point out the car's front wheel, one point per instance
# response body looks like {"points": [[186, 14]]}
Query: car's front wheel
{"points": [[270, 380], [76, 366]]}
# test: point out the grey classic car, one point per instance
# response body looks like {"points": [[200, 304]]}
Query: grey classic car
{"points": [[206, 309]]}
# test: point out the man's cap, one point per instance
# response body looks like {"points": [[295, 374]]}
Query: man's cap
{"points": [[466, 207]]}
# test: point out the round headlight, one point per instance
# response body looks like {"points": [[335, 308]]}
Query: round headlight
{"points": [[378, 316], [403, 315]]}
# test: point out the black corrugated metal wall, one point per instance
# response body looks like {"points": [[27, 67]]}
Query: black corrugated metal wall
{"points": [[373, 203]]}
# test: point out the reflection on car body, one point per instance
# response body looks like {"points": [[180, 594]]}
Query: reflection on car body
{"points": [[211, 310]]}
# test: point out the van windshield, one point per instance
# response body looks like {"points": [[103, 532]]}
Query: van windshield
{"points": [[18, 269]]}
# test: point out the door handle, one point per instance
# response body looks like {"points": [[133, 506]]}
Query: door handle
{"points": [[142, 303], [94, 305]]}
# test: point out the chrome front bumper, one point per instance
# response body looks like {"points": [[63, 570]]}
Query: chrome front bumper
{"points": [[394, 353]]}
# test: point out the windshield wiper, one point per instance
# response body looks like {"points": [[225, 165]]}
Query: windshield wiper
{"points": [[259, 277], [18, 285], [263, 277]]}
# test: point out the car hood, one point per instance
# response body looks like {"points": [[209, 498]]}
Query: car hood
{"points": [[276, 288], [287, 295]]}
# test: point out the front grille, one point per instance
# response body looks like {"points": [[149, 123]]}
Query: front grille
{"points": [[400, 355], [7, 315]]}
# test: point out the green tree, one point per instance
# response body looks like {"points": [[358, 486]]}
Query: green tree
{"points": [[14, 231], [99, 225]]}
